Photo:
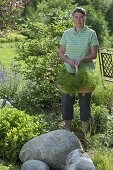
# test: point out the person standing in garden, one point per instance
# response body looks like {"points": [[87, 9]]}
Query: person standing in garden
{"points": [[78, 48]]}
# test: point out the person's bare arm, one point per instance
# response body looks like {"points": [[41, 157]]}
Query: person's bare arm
{"points": [[89, 57], [65, 58], [92, 55]]}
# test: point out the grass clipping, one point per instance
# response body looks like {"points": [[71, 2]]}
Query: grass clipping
{"points": [[73, 83]]}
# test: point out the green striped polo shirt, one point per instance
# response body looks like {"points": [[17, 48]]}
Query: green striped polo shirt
{"points": [[78, 45]]}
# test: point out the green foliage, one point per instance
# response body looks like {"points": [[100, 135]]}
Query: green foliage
{"points": [[82, 2], [13, 37], [9, 81], [106, 139], [99, 122], [34, 29], [99, 24], [36, 96], [76, 121], [44, 29], [101, 5], [10, 12], [102, 158], [6, 165], [38, 90], [99, 119], [40, 56], [32, 49], [109, 133], [109, 15], [103, 95], [39, 52], [17, 127], [72, 83], [52, 122]]}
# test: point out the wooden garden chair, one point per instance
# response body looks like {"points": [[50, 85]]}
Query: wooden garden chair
{"points": [[106, 64]]}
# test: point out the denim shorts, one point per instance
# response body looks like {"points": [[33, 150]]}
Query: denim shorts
{"points": [[67, 103]]}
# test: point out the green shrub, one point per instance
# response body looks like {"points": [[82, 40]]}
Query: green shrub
{"points": [[3, 40], [106, 139], [33, 93], [12, 37], [40, 74], [103, 95], [100, 25], [99, 119], [35, 96], [16, 128], [76, 121], [15, 37], [98, 122]]}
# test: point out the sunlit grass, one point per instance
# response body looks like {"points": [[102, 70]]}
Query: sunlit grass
{"points": [[7, 53], [102, 158]]}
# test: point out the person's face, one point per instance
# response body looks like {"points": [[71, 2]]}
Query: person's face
{"points": [[79, 19]]}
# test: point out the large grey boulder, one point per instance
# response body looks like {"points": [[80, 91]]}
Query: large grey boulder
{"points": [[52, 148], [78, 159], [34, 165]]}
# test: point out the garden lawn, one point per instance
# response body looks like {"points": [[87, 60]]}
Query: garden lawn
{"points": [[7, 53]]}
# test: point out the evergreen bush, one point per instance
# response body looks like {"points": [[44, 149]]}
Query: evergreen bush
{"points": [[16, 128]]}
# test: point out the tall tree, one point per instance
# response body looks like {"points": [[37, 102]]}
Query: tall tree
{"points": [[109, 18]]}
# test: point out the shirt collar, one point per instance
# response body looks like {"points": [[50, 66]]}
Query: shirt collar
{"points": [[83, 29]]}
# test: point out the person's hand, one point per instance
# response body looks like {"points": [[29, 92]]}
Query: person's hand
{"points": [[78, 62], [71, 63]]}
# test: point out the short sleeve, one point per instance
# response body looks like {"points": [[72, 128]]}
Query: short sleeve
{"points": [[63, 40], [94, 39]]}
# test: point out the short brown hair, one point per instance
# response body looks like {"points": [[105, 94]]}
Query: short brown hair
{"points": [[79, 9]]}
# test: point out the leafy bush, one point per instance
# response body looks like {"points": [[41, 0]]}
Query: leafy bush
{"points": [[76, 121], [28, 95], [100, 25], [34, 30], [12, 37], [99, 119], [16, 128], [98, 122], [34, 97], [15, 37], [106, 139], [103, 95], [40, 73]]}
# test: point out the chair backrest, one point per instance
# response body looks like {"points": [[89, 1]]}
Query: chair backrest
{"points": [[106, 63]]}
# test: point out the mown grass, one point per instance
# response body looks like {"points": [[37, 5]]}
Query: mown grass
{"points": [[7, 53]]}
